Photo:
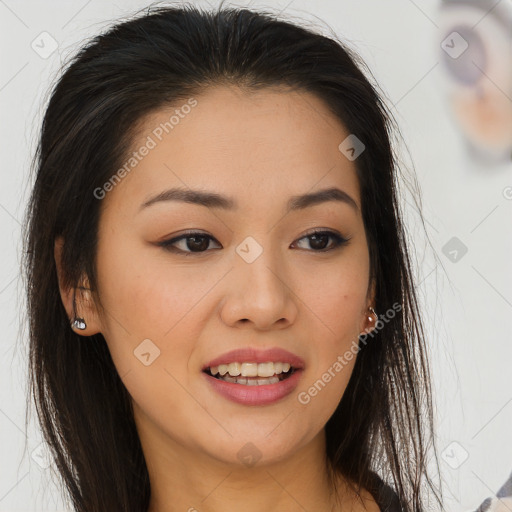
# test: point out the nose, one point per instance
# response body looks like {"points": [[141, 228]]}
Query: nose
{"points": [[258, 295]]}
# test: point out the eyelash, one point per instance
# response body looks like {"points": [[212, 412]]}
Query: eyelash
{"points": [[339, 241]]}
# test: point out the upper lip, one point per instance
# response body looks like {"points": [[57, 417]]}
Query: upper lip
{"points": [[255, 355]]}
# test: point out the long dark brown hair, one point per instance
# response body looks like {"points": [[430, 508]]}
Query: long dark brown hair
{"points": [[384, 422]]}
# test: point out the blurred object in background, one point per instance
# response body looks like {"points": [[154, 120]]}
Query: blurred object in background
{"points": [[502, 502], [476, 56]]}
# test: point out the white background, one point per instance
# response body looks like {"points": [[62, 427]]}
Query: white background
{"points": [[467, 304]]}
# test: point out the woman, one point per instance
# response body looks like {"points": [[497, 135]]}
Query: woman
{"points": [[222, 310]]}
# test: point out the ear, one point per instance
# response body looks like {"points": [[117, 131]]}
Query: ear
{"points": [[77, 300], [368, 318]]}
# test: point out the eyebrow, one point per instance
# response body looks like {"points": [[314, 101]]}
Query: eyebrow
{"points": [[214, 200]]}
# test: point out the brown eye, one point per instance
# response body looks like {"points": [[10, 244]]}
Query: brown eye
{"points": [[198, 242], [319, 240], [194, 242]]}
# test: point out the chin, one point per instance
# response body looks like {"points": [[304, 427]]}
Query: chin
{"points": [[252, 451]]}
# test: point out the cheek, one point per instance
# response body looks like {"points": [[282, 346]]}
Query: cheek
{"points": [[154, 301], [333, 296], [147, 296], [149, 302], [324, 386]]}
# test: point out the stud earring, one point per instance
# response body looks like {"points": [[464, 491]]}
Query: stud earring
{"points": [[371, 318], [78, 323]]}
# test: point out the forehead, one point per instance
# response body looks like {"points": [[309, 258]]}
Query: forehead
{"points": [[255, 146]]}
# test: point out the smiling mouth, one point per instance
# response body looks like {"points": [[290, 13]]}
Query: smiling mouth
{"points": [[251, 374]]}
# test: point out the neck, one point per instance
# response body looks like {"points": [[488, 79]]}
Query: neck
{"points": [[186, 480]]}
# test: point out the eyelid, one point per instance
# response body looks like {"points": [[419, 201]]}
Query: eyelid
{"points": [[168, 244], [339, 242]]}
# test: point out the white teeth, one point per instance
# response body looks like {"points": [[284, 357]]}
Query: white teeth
{"points": [[265, 369], [249, 369], [236, 369], [259, 374], [251, 381]]}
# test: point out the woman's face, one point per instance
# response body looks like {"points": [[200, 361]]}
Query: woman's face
{"points": [[251, 279]]}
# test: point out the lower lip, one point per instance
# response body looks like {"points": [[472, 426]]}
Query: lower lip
{"points": [[255, 395]]}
